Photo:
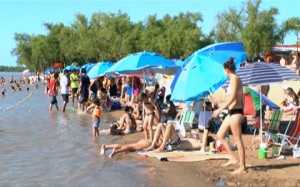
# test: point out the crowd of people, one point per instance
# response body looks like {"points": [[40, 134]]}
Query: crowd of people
{"points": [[148, 109], [16, 85]]}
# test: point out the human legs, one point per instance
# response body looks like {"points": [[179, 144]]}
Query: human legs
{"points": [[119, 148], [170, 134], [111, 146], [64, 106], [145, 127], [65, 101], [221, 136], [160, 131], [235, 124], [149, 126]]}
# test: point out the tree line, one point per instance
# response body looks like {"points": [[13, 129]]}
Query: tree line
{"points": [[11, 68], [113, 36]]}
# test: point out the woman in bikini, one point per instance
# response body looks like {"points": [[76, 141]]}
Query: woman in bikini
{"points": [[235, 104], [152, 114]]}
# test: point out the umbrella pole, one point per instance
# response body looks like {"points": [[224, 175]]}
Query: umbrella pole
{"points": [[131, 102], [260, 126]]}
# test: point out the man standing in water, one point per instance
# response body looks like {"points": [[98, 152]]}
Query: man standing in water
{"points": [[64, 89], [83, 89]]}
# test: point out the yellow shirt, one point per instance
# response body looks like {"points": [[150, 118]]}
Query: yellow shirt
{"points": [[74, 80]]}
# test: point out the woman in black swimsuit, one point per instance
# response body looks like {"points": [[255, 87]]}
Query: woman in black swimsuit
{"points": [[235, 104]]}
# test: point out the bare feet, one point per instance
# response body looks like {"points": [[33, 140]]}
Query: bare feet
{"points": [[102, 151], [112, 153], [230, 162], [239, 171], [158, 150]]}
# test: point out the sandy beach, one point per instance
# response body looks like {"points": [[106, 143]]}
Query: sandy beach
{"points": [[260, 172]]}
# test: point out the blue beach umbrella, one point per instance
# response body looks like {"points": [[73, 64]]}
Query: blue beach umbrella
{"points": [[88, 66], [143, 62], [48, 71], [99, 69], [71, 68], [203, 73]]}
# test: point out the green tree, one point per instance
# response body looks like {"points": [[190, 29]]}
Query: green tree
{"points": [[257, 29]]}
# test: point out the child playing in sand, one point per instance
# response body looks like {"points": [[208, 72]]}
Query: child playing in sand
{"points": [[96, 117]]}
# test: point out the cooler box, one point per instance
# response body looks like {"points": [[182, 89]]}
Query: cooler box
{"points": [[115, 103]]}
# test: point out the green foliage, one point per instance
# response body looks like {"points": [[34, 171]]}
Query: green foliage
{"points": [[256, 28], [11, 68], [110, 37]]}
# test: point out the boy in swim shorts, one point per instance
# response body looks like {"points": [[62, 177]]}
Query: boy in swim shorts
{"points": [[96, 117]]}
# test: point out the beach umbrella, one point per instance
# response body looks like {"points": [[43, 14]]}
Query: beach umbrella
{"points": [[252, 102], [58, 65], [143, 62], [262, 73], [88, 66], [202, 73], [48, 71], [99, 69], [72, 68]]}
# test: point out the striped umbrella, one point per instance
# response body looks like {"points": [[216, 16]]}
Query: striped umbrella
{"points": [[262, 73]]}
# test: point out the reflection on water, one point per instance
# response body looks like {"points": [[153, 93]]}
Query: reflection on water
{"points": [[42, 148]]}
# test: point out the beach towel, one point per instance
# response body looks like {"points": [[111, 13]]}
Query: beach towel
{"points": [[185, 156]]}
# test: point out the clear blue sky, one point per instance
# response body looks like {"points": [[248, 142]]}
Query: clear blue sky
{"points": [[28, 16]]}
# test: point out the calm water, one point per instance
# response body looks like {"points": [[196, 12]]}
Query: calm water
{"points": [[42, 148]]}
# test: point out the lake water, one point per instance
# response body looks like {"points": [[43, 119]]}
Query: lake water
{"points": [[43, 148]]}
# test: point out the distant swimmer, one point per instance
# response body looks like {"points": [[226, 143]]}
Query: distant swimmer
{"points": [[13, 89], [27, 89], [3, 92]]}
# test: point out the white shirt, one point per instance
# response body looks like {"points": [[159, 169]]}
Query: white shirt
{"points": [[201, 123], [64, 85], [282, 62]]}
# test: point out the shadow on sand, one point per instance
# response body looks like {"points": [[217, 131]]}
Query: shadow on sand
{"points": [[277, 166]]}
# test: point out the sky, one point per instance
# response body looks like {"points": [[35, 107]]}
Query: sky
{"points": [[28, 16]]}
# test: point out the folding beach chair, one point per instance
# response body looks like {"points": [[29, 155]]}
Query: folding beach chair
{"points": [[273, 124], [291, 136], [185, 122]]}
